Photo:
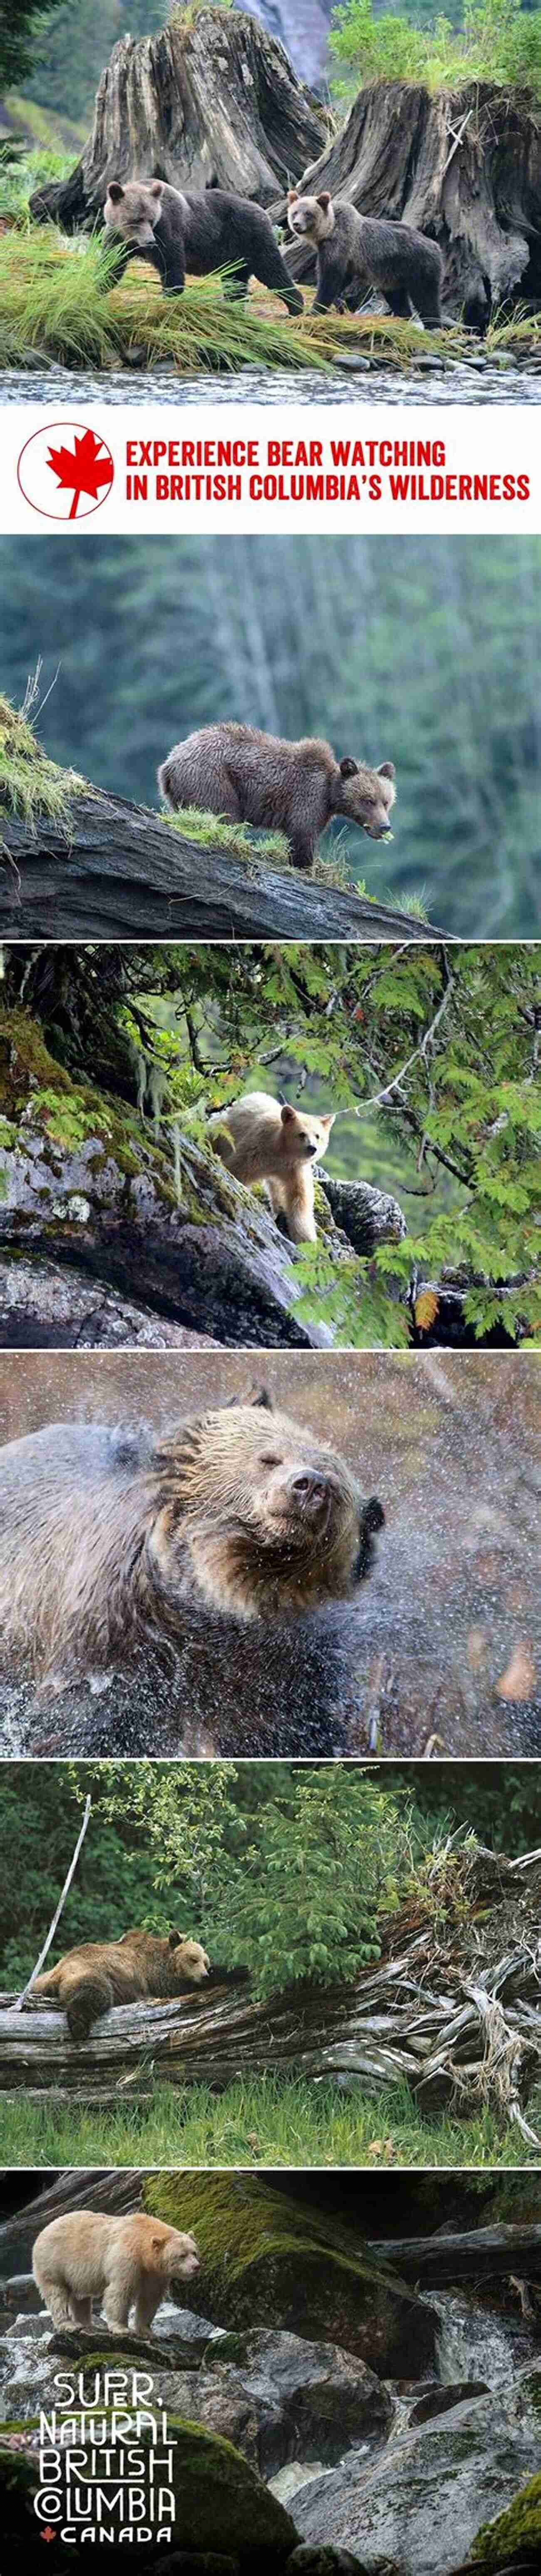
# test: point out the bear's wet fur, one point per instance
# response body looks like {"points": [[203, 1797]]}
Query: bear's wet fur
{"points": [[355, 252], [194, 234]]}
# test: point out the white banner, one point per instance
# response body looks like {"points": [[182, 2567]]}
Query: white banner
{"points": [[324, 469]]}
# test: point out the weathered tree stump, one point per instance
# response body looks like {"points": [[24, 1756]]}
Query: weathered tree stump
{"points": [[211, 97], [466, 170]]}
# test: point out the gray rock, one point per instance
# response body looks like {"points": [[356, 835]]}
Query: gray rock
{"points": [[440, 2478]]}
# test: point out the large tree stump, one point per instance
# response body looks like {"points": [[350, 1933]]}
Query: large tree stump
{"points": [[466, 170], [211, 97]]}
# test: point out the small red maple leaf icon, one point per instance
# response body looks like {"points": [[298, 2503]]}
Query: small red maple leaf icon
{"points": [[48, 2533], [82, 468]]}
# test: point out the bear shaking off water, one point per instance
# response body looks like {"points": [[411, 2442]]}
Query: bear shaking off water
{"points": [[261, 1139], [356, 252], [126, 2263], [292, 787], [109, 1539], [141, 1966], [194, 234]]}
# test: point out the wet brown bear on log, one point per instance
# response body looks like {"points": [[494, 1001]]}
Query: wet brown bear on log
{"points": [[108, 1539], [292, 787], [356, 252], [195, 234], [141, 1967]]}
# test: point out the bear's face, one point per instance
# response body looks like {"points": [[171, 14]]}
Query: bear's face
{"points": [[178, 2259], [367, 797], [132, 211], [269, 1517], [189, 1960], [305, 1138], [310, 218]]}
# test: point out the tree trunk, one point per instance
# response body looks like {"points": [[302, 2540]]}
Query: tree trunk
{"points": [[43, 1307], [122, 873], [462, 2257], [466, 170], [211, 97], [456, 2033]]}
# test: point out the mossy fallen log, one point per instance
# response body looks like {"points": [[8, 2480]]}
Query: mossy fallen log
{"points": [[464, 169], [458, 2025], [212, 96], [103, 868]]}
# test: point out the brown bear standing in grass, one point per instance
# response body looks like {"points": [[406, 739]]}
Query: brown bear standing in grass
{"points": [[356, 252], [261, 1140], [108, 1539], [292, 787], [141, 1966], [196, 234], [126, 2263]]}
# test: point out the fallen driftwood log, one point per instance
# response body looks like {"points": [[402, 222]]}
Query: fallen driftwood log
{"points": [[212, 96], [460, 2023], [460, 2257], [465, 169], [117, 871]]}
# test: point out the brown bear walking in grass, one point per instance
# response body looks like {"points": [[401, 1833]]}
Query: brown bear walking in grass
{"points": [[293, 787], [261, 1139], [109, 1538], [194, 234], [127, 2263], [142, 1966], [355, 252]]}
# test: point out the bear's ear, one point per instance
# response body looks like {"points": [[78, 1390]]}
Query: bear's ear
{"points": [[386, 769], [176, 1939], [292, 196], [156, 187], [329, 1120], [348, 768], [325, 200], [287, 1114], [115, 191], [260, 1398]]}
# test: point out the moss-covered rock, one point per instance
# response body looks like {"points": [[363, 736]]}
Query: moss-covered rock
{"points": [[514, 2536], [267, 2263], [221, 2505]]}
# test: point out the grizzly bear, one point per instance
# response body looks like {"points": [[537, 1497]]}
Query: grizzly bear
{"points": [[130, 2262], [261, 1139], [179, 233], [292, 787], [108, 1539], [355, 252], [140, 1965]]}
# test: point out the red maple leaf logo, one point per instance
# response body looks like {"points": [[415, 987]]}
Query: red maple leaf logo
{"points": [[82, 468], [48, 2533]]}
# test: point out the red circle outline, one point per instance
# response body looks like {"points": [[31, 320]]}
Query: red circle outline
{"points": [[45, 433]]}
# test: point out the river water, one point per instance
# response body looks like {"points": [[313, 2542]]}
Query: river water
{"points": [[477, 382]]}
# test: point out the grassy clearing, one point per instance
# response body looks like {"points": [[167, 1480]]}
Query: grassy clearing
{"points": [[270, 2121], [58, 303]]}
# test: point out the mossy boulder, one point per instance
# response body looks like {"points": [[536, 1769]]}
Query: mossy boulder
{"points": [[267, 2263], [515, 2537], [222, 2506]]}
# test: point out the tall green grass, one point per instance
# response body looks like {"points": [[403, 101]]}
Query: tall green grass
{"points": [[499, 43], [271, 2120], [58, 297]]}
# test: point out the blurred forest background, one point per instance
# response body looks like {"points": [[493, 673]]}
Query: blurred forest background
{"points": [[426, 652], [282, 1867]]}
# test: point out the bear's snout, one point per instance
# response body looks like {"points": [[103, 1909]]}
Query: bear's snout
{"points": [[314, 1493]]}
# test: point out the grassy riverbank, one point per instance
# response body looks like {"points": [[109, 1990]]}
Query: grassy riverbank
{"points": [[272, 2120], [58, 306]]}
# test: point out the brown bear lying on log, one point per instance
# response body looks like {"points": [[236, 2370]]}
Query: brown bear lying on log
{"points": [[141, 1967], [355, 252], [196, 234], [293, 787], [108, 1539]]}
